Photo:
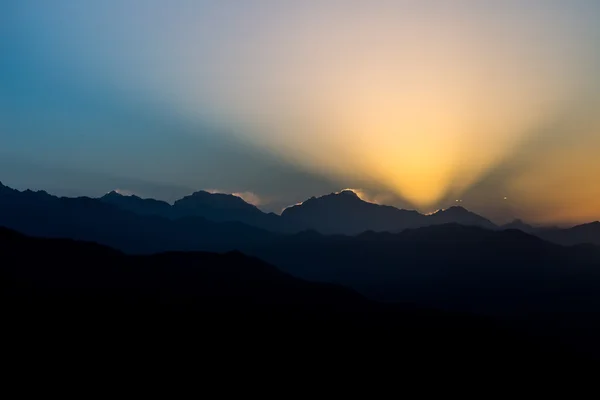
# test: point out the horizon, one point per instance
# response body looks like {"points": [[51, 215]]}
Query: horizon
{"points": [[418, 105], [356, 192]]}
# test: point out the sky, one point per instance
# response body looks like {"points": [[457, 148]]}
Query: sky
{"points": [[419, 104]]}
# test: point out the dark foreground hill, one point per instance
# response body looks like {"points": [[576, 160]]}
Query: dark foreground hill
{"points": [[586, 233], [448, 265], [506, 274], [75, 296]]}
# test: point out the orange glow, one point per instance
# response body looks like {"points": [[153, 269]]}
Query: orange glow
{"points": [[424, 107], [562, 183], [419, 100]]}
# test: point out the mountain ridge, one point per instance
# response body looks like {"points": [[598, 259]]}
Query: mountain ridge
{"points": [[461, 215], [346, 213], [451, 268], [227, 302], [336, 213]]}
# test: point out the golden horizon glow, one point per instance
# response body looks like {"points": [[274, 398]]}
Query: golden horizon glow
{"points": [[425, 108]]}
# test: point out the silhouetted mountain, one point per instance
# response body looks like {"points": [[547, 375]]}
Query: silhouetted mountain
{"points": [[142, 225], [346, 213], [222, 281], [519, 225], [83, 218], [451, 264], [138, 205], [437, 266], [201, 201], [225, 302], [221, 207], [337, 213], [217, 207], [470, 269], [580, 234], [459, 215], [505, 274]]}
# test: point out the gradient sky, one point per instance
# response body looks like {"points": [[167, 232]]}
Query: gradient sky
{"points": [[413, 103]]}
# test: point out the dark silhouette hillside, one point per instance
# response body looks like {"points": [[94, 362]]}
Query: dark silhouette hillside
{"points": [[506, 274], [133, 224], [201, 200], [83, 218], [216, 207], [205, 221], [580, 234], [226, 207], [138, 205], [520, 225], [346, 213], [211, 281], [458, 215], [230, 301], [449, 265], [336, 213]]}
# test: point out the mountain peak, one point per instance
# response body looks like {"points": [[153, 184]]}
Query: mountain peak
{"points": [[344, 212], [518, 224], [201, 193], [454, 210], [347, 192], [112, 193], [221, 201], [117, 194], [204, 195], [458, 209], [5, 189], [461, 215], [345, 196], [595, 224]]}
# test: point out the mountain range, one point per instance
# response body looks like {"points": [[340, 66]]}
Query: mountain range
{"points": [[221, 221], [217, 207], [84, 218], [210, 306], [336, 213], [453, 261]]}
